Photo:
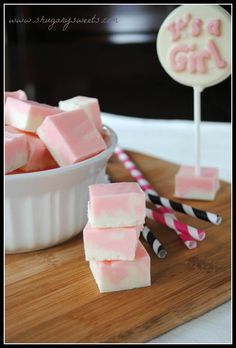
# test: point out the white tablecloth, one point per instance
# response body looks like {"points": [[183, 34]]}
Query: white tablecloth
{"points": [[173, 140]]}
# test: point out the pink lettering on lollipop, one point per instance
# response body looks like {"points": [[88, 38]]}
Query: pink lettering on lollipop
{"points": [[215, 54], [214, 27], [185, 57], [196, 27], [175, 28], [179, 63], [197, 61]]}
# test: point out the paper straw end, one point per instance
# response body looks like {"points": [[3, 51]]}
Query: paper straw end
{"points": [[218, 220], [202, 235], [191, 244], [162, 253]]}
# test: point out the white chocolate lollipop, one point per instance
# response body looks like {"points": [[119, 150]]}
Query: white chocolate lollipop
{"points": [[194, 45]]}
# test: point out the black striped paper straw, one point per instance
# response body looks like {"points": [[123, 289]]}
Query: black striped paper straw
{"points": [[154, 243], [186, 209]]}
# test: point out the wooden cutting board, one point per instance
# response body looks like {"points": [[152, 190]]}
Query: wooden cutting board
{"points": [[51, 296]]}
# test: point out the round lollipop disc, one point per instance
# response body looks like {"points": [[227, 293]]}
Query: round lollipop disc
{"points": [[194, 45]]}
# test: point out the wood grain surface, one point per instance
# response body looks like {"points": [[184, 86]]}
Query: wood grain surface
{"points": [[51, 296]]}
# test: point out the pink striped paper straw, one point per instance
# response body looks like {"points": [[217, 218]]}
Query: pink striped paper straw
{"points": [[186, 238], [171, 222], [138, 176], [147, 188]]}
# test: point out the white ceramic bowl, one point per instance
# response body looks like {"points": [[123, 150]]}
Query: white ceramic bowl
{"points": [[45, 208]]}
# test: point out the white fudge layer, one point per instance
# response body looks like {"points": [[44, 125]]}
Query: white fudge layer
{"points": [[198, 195], [118, 219]]}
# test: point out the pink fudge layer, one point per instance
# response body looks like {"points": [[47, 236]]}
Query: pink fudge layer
{"points": [[118, 243], [17, 171], [89, 105], [19, 94], [116, 205], [71, 137], [39, 156], [123, 275], [202, 187], [27, 115], [16, 149]]}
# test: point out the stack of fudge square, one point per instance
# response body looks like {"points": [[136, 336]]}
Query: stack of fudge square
{"points": [[117, 259]]}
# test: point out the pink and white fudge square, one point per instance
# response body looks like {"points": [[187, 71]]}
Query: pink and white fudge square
{"points": [[202, 187], [16, 149], [27, 115], [116, 205], [88, 104], [117, 243], [19, 94], [123, 275], [71, 137], [39, 156]]}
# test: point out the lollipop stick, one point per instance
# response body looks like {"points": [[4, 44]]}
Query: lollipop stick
{"points": [[197, 121]]}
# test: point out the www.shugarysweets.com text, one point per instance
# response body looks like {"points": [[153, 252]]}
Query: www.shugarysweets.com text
{"points": [[64, 22]]}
